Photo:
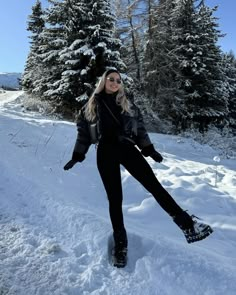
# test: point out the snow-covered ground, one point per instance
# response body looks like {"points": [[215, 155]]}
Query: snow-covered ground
{"points": [[54, 225]]}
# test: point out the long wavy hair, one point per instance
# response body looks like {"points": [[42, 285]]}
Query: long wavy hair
{"points": [[121, 99]]}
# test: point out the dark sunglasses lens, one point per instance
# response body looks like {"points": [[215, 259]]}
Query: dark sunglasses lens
{"points": [[111, 79]]}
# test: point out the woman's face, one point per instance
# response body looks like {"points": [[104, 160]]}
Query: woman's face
{"points": [[113, 83]]}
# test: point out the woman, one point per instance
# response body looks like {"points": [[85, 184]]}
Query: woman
{"points": [[115, 123]]}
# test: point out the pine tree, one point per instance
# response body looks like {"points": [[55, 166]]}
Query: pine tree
{"points": [[36, 25], [70, 56], [90, 48], [229, 63], [77, 46], [53, 39], [102, 40], [184, 62], [199, 59], [161, 74]]}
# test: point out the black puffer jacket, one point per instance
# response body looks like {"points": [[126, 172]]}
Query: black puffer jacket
{"points": [[132, 125]]}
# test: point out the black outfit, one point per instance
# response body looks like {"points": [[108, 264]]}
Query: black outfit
{"points": [[117, 139], [118, 133], [109, 158], [110, 129]]}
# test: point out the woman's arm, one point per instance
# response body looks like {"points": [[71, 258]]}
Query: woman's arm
{"points": [[83, 140]]}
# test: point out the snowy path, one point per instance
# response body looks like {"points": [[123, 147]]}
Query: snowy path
{"points": [[9, 96], [54, 225]]}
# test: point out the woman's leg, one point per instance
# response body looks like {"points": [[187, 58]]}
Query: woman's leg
{"points": [[109, 169], [139, 168], [134, 162]]}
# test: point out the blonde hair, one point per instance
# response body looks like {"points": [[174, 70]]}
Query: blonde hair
{"points": [[121, 99]]}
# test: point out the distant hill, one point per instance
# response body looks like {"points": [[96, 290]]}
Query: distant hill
{"points": [[9, 80]]}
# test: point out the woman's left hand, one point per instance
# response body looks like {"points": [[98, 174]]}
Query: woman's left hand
{"points": [[156, 156], [149, 151]]}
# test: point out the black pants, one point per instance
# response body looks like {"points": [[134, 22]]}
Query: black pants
{"points": [[109, 158]]}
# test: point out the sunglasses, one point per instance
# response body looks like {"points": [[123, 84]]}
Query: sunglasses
{"points": [[111, 79]]}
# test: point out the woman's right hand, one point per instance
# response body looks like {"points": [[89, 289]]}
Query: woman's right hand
{"points": [[76, 157], [70, 164]]}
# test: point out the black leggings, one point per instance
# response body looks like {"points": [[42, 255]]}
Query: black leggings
{"points": [[109, 158]]}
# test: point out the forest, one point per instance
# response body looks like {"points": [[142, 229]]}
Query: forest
{"points": [[166, 50]]}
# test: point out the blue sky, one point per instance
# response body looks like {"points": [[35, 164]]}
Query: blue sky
{"points": [[14, 36]]}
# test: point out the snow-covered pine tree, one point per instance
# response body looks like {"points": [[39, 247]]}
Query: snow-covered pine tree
{"points": [[184, 73], [53, 42], [36, 25], [90, 48], [229, 64], [160, 74], [78, 46], [102, 42], [77, 17], [199, 60]]}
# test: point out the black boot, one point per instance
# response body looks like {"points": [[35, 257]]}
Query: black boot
{"points": [[193, 230], [120, 249]]}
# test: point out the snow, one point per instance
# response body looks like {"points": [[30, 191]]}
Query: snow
{"points": [[102, 44], [55, 225]]}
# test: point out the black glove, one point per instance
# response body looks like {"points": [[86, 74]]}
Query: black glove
{"points": [[156, 156], [76, 157], [70, 164], [149, 151]]}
